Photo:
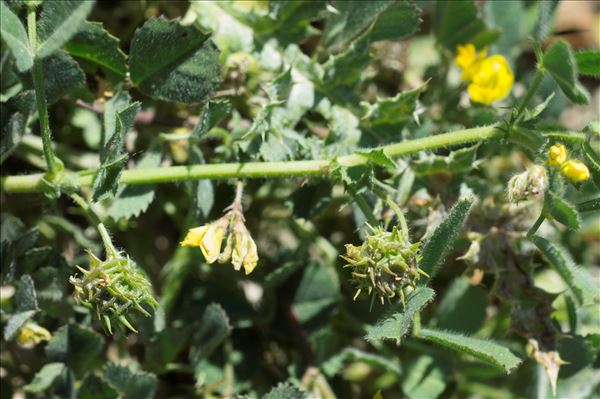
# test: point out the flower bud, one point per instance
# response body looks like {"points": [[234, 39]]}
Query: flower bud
{"points": [[557, 155], [575, 170], [529, 183], [244, 249], [31, 333]]}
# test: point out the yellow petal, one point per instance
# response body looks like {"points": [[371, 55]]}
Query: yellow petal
{"points": [[211, 242], [194, 236], [557, 155], [575, 170], [251, 258]]}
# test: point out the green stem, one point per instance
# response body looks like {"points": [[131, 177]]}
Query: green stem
{"points": [[537, 80], [40, 95], [416, 328], [536, 225], [109, 248], [401, 219], [32, 183], [365, 208]]}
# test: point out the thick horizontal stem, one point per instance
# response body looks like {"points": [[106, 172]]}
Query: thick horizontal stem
{"points": [[32, 183]]}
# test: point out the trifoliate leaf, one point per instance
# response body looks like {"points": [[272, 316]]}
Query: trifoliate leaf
{"points": [[588, 62]]}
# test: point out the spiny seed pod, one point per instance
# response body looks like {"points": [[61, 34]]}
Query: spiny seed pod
{"points": [[384, 264], [114, 289]]}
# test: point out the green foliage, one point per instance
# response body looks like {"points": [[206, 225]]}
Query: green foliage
{"points": [[442, 240], [59, 21], [397, 325], [15, 37], [583, 286], [171, 62], [456, 22], [486, 351], [560, 62], [588, 62]]}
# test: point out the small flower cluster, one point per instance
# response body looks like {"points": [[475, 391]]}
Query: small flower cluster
{"points": [[114, 288], [384, 264], [239, 247], [572, 169], [490, 78], [529, 183]]}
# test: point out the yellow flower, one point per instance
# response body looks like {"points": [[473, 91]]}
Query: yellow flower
{"points": [[492, 81], [32, 333], [469, 60], [557, 155], [244, 250], [575, 170], [208, 238]]}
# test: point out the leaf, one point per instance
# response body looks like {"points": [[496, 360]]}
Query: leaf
{"points": [[379, 157], [543, 25], [560, 62], [58, 22], [592, 160], [484, 350], [44, 378], [172, 62], [462, 308], [318, 290], [201, 191], [116, 104], [15, 37], [588, 62], [133, 200], [393, 110], [507, 17], [62, 75], [562, 211], [212, 330], [285, 391], [212, 113], [113, 157], [131, 384], [16, 321], [459, 161], [94, 44], [456, 22], [94, 387], [334, 364], [442, 240], [77, 347], [11, 135], [398, 324], [392, 20], [425, 377], [580, 282], [589, 206]]}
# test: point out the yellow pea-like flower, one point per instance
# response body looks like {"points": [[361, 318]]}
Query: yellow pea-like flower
{"points": [[492, 81], [31, 333], [557, 155], [575, 170], [469, 60], [208, 237]]}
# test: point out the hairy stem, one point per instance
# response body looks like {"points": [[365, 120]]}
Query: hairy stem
{"points": [[40, 95], [32, 183]]}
